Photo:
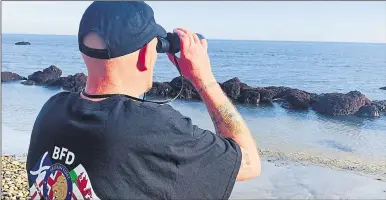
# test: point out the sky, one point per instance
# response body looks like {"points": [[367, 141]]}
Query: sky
{"points": [[334, 21]]}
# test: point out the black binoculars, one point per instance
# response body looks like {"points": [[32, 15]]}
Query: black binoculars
{"points": [[171, 44]]}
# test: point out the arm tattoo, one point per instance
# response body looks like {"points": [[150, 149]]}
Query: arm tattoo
{"points": [[245, 161], [206, 86], [227, 116]]}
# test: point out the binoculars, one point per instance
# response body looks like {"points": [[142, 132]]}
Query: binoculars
{"points": [[171, 44]]}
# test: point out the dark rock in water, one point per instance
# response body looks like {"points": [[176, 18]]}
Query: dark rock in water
{"points": [[314, 98], [298, 99], [161, 89], [22, 43], [28, 82], [249, 96], [368, 111], [74, 83], [340, 104], [188, 92], [383, 88], [47, 76], [10, 76], [381, 105], [271, 93], [232, 88], [287, 105], [278, 91], [266, 95], [58, 82]]}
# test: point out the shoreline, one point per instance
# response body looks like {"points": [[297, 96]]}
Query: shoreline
{"points": [[374, 167]]}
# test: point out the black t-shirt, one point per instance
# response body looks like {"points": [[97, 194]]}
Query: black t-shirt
{"points": [[119, 148]]}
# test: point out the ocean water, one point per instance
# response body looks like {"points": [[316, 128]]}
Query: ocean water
{"points": [[311, 66]]}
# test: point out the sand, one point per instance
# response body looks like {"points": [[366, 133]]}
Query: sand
{"points": [[284, 176]]}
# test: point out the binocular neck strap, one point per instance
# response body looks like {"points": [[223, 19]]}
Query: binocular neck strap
{"points": [[100, 96]]}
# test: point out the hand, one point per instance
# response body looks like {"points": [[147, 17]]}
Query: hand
{"points": [[194, 60]]}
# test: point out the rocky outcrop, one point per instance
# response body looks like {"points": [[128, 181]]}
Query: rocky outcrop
{"points": [[47, 76], [350, 103], [297, 99], [232, 88], [381, 105], [22, 43], [340, 104], [161, 90], [368, 111], [10, 76], [249, 96], [73, 83], [188, 92], [28, 82]]}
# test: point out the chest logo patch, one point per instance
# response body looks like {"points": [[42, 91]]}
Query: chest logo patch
{"points": [[53, 181]]}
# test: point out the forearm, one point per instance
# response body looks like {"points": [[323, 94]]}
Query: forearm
{"points": [[229, 123], [226, 119]]}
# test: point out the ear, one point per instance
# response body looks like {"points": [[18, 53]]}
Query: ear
{"points": [[143, 59]]}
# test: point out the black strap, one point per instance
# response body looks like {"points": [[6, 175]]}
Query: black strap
{"points": [[94, 53], [100, 96]]}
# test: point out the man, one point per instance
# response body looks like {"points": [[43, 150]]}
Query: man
{"points": [[115, 147]]}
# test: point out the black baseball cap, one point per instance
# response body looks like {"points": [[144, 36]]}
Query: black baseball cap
{"points": [[125, 27]]}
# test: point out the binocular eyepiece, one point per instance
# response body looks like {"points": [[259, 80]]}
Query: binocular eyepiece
{"points": [[171, 44]]}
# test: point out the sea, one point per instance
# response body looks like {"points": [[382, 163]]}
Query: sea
{"points": [[318, 67]]}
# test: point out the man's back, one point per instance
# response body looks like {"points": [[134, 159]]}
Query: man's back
{"points": [[118, 148]]}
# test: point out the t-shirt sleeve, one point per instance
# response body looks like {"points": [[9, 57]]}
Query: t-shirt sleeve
{"points": [[206, 164]]}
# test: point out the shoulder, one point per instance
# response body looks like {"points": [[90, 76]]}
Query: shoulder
{"points": [[169, 118], [54, 101], [57, 97]]}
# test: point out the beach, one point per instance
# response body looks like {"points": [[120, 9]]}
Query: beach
{"points": [[280, 179]]}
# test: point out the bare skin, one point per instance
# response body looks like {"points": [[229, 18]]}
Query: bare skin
{"points": [[195, 66], [132, 75]]}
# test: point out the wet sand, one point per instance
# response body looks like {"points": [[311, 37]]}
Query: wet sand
{"points": [[283, 180]]}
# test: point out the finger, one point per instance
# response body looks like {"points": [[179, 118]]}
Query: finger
{"points": [[196, 39], [190, 34], [204, 43], [184, 39]]}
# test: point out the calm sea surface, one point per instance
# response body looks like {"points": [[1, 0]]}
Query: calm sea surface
{"points": [[314, 67]]}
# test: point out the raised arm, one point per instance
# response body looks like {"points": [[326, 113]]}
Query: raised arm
{"points": [[195, 66]]}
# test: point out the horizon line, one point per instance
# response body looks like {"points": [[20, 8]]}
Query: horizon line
{"points": [[266, 40]]}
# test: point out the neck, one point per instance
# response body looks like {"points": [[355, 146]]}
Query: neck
{"points": [[98, 86]]}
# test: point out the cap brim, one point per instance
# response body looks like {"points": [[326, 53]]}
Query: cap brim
{"points": [[161, 32]]}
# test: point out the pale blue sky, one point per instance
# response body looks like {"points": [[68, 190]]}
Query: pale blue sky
{"points": [[287, 21]]}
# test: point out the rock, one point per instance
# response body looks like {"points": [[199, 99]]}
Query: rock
{"points": [[278, 92], [381, 105], [368, 111], [266, 95], [249, 96], [58, 82], [298, 99], [10, 76], [314, 98], [161, 89], [383, 88], [188, 92], [47, 76], [340, 104], [22, 43], [232, 87], [73, 83], [28, 82]]}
